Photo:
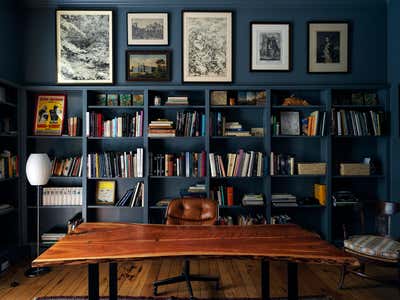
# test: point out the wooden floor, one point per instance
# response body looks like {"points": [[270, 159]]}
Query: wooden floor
{"points": [[239, 279]]}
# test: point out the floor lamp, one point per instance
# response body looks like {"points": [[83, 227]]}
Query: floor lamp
{"points": [[38, 174]]}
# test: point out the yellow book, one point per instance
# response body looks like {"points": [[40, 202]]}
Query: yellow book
{"points": [[320, 193]]}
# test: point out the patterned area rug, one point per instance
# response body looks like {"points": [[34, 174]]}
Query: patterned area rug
{"points": [[175, 298]]}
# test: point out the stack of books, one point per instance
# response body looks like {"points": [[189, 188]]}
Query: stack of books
{"points": [[62, 196], [53, 235], [115, 164], [126, 125], [240, 164], [195, 191], [177, 100], [235, 129], [358, 123], [8, 165], [253, 200], [74, 126], [220, 127], [190, 124], [284, 200], [71, 166], [161, 128], [281, 164], [133, 197], [186, 164]]}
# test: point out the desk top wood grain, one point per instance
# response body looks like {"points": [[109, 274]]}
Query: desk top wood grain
{"points": [[114, 242]]}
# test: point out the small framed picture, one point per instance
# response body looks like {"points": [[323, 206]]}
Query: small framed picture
{"points": [[49, 114], [328, 47], [105, 192], [147, 29], [270, 46], [148, 65]]}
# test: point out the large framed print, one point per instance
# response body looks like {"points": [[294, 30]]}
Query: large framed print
{"points": [[328, 47], [270, 46], [148, 65], [84, 46], [49, 114], [207, 46], [147, 29]]}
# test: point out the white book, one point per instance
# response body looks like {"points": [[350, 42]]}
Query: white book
{"points": [[89, 169], [87, 123], [212, 165], [245, 164], [339, 123], [259, 164], [251, 164], [271, 164]]}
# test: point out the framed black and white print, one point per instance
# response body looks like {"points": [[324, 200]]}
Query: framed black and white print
{"points": [[328, 49], [270, 46], [207, 46], [147, 28], [84, 46]]}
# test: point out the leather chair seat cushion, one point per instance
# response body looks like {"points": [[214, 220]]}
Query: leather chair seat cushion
{"points": [[191, 211], [372, 245]]}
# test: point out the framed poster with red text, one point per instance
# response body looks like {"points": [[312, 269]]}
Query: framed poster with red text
{"points": [[49, 114]]}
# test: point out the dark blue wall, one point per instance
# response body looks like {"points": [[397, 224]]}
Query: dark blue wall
{"points": [[368, 46]]}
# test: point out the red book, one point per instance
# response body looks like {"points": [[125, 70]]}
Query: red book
{"points": [[229, 195]]}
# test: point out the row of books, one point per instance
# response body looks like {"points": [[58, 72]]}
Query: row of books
{"points": [[133, 197], [53, 235], [284, 200], [194, 191], [62, 196], [177, 100], [186, 164], [358, 123], [115, 164], [291, 123], [161, 128], [220, 127], [125, 99], [70, 166], [127, 125], [223, 195], [74, 126], [9, 165], [240, 164], [281, 164], [190, 124]]}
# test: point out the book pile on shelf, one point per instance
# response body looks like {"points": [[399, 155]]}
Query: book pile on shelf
{"points": [[124, 99], [177, 100], [62, 196], [253, 200], [284, 200], [289, 124], [74, 126], [240, 164], [53, 235], [161, 128], [223, 195], [281, 164], [190, 124], [281, 219], [127, 125], [222, 128], [358, 123], [115, 164], [8, 165], [70, 167], [186, 164], [194, 191], [133, 197]]}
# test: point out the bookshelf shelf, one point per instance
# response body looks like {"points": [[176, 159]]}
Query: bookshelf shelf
{"points": [[8, 104], [133, 138], [298, 136], [359, 177], [178, 138], [10, 210], [238, 107], [8, 179], [65, 177], [297, 176], [299, 206], [174, 107], [117, 178], [235, 137], [298, 107], [241, 206], [8, 135], [61, 137], [237, 177], [368, 107], [115, 207], [55, 206], [177, 177], [114, 107], [358, 136]]}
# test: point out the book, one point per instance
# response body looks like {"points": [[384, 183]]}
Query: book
{"points": [[112, 99], [229, 195], [320, 193], [125, 99], [184, 164], [290, 122]]}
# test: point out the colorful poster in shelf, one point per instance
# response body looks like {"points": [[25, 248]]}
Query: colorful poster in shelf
{"points": [[105, 192], [49, 115]]}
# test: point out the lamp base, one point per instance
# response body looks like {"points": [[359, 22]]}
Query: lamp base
{"points": [[35, 272]]}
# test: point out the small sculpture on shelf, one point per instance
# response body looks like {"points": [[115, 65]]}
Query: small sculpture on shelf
{"points": [[294, 101]]}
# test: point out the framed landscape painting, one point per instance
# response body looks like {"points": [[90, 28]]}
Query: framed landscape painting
{"points": [[147, 28], [328, 47], [270, 46], [148, 65], [207, 46], [84, 46]]}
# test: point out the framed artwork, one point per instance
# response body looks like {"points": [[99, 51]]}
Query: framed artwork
{"points": [[270, 46], [328, 47], [147, 29], [84, 46], [49, 115], [207, 46], [105, 192], [148, 65]]}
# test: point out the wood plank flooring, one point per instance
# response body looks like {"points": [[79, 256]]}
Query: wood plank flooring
{"points": [[239, 279]]}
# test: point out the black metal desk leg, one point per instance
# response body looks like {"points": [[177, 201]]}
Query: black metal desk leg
{"points": [[265, 295], [93, 281], [293, 286], [113, 281]]}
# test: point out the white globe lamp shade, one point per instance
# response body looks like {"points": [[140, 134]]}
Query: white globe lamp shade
{"points": [[38, 169]]}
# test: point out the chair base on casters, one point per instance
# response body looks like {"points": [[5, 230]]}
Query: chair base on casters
{"points": [[187, 277]]}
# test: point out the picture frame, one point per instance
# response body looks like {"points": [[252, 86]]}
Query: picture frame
{"points": [[49, 114], [147, 29], [329, 47], [290, 123], [105, 192], [270, 46], [208, 32], [148, 65], [80, 59]]}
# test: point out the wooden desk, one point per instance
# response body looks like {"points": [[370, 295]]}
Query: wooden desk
{"points": [[94, 243]]}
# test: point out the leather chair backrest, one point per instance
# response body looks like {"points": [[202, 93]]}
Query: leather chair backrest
{"points": [[191, 211]]}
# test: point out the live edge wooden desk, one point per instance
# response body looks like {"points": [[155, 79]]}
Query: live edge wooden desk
{"points": [[94, 243]]}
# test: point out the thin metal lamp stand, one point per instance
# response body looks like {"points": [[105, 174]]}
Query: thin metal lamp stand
{"points": [[34, 272]]}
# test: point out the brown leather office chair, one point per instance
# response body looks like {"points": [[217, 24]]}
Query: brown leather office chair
{"points": [[189, 211]]}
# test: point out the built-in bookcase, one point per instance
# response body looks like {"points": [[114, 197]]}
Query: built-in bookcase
{"points": [[326, 148]]}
